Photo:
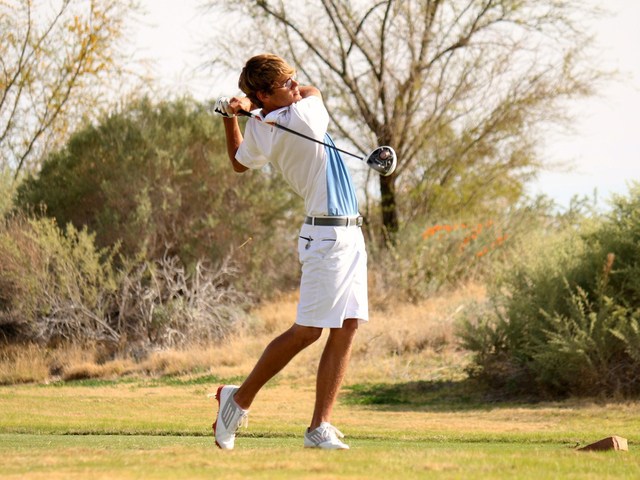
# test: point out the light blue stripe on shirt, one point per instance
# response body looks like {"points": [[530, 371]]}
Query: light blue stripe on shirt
{"points": [[341, 196]]}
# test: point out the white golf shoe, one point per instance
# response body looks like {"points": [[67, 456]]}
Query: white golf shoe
{"points": [[230, 417], [326, 436]]}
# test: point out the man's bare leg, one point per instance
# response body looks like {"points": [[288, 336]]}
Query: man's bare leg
{"points": [[274, 358], [332, 369]]}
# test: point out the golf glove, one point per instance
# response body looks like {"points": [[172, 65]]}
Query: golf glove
{"points": [[221, 107]]}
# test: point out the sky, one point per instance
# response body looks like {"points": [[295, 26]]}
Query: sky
{"points": [[600, 154]]}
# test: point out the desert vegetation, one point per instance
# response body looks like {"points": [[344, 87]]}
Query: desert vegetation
{"points": [[135, 251], [129, 247], [138, 271]]}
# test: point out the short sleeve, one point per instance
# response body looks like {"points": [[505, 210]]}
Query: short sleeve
{"points": [[249, 153], [311, 112]]}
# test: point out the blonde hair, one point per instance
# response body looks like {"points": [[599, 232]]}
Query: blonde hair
{"points": [[260, 74]]}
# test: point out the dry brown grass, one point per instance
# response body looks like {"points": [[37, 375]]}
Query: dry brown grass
{"points": [[34, 363], [414, 341], [22, 364], [87, 369], [404, 342]]}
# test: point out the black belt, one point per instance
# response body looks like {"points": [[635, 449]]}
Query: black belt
{"points": [[334, 221]]}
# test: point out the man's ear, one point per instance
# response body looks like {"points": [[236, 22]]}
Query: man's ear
{"points": [[262, 96]]}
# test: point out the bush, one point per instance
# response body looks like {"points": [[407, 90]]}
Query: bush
{"points": [[161, 305], [156, 180], [7, 190], [430, 256], [55, 286], [564, 320]]}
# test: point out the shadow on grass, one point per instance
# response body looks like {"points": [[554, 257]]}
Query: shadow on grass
{"points": [[460, 395]]}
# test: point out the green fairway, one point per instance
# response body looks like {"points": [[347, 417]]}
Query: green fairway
{"points": [[162, 430], [136, 456]]}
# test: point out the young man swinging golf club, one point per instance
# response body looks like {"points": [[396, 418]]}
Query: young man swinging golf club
{"points": [[333, 286]]}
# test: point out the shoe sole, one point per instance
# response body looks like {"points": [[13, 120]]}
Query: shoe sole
{"points": [[325, 448], [216, 421]]}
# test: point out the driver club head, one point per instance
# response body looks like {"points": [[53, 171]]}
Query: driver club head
{"points": [[383, 160]]}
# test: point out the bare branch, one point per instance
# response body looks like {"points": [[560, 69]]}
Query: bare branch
{"points": [[54, 58], [437, 79]]}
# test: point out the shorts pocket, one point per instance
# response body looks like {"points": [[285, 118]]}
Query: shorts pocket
{"points": [[318, 243]]}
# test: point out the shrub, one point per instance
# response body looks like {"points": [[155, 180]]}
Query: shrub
{"points": [[429, 256], [161, 305], [55, 286], [7, 187], [155, 179], [564, 320]]}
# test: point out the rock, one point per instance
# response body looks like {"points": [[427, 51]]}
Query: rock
{"points": [[609, 443]]}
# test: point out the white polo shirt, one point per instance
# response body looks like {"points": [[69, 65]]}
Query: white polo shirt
{"points": [[315, 172]]}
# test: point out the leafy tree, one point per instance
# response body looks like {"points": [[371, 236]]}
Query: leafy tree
{"points": [[155, 178], [55, 61], [457, 87]]}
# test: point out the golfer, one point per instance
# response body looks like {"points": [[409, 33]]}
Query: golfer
{"points": [[333, 286]]}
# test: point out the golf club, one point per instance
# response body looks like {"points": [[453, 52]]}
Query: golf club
{"points": [[382, 159]]}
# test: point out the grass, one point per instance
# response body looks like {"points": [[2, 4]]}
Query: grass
{"points": [[70, 457], [407, 409], [153, 429]]}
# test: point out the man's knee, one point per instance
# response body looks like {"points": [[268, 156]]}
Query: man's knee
{"points": [[348, 329], [306, 335], [350, 325]]}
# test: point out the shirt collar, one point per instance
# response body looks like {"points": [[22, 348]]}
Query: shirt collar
{"points": [[274, 114]]}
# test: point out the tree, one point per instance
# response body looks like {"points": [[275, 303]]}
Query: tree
{"points": [[459, 88], [55, 61]]}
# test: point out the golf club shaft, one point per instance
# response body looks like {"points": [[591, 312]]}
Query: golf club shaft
{"points": [[286, 129]]}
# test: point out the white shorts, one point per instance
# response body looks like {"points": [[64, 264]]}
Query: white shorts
{"points": [[334, 276]]}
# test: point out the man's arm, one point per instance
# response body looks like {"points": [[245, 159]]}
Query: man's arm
{"points": [[308, 91], [234, 139], [232, 131]]}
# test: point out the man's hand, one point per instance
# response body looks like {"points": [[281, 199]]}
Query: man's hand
{"points": [[229, 107], [221, 107]]}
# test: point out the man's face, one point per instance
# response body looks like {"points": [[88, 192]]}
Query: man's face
{"points": [[283, 93]]}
